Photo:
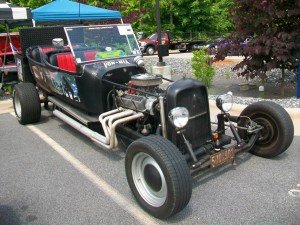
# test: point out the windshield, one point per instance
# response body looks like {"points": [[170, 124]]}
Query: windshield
{"points": [[102, 42], [153, 36]]}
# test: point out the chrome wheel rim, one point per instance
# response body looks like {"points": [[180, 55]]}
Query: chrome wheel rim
{"points": [[149, 179], [17, 105], [150, 51]]}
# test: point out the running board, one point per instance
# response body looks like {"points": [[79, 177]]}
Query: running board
{"points": [[74, 112]]}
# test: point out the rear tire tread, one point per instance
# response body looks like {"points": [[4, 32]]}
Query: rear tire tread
{"points": [[29, 103]]}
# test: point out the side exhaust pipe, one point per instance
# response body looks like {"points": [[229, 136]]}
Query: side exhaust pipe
{"points": [[109, 121]]}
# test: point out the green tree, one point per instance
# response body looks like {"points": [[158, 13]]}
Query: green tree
{"points": [[219, 16], [208, 16], [32, 4]]}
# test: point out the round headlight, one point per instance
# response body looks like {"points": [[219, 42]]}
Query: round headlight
{"points": [[224, 102], [179, 116], [139, 60]]}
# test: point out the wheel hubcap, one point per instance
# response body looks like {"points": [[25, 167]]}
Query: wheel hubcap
{"points": [[149, 179], [150, 51], [152, 177], [17, 105]]}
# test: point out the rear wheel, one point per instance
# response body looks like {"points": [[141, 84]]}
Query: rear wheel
{"points": [[181, 51], [26, 103], [278, 129], [158, 176]]}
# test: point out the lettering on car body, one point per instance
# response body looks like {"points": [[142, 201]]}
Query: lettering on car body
{"points": [[116, 62]]}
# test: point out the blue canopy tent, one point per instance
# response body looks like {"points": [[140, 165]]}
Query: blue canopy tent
{"points": [[65, 10]]}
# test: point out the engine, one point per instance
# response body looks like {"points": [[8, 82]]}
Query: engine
{"points": [[146, 82], [138, 96]]}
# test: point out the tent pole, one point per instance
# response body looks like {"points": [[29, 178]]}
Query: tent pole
{"points": [[8, 34], [5, 50], [6, 43]]}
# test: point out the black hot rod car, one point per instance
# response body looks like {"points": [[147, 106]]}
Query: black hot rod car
{"points": [[95, 79]]}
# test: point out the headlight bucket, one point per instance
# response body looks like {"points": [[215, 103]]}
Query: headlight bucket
{"points": [[179, 117], [225, 102]]}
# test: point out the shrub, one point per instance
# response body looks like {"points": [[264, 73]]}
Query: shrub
{"points": [[202, 68]]}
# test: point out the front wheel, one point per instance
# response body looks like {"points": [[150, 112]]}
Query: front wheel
{"points": [[278, 129], [150, 50], [158, 176], [26, 103]]}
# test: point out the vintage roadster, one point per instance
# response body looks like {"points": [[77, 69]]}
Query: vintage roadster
{"points": [[94, 79]]}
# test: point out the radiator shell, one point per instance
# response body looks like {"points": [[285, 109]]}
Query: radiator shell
{"points": [[191, 94]]}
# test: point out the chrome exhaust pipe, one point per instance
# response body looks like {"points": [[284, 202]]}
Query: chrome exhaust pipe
{"points": [[109, 121], [98, 138]]}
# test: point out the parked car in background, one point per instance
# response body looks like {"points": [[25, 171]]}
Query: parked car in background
{"points": [[149, 45], [210, 48], [233, 45]]}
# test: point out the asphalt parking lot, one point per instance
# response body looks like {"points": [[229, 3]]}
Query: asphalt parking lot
{"points": [[51, 174]]}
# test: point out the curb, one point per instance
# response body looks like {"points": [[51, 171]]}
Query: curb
{"points": [[6, 106]]}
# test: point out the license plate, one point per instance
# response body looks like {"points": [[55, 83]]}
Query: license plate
{"points": [[222, 157]]}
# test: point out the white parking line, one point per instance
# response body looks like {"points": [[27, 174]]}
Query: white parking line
{"points": [[124, 203], [295, 192]]}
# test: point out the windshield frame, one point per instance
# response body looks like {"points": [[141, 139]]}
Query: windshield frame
{"points": [[108, 42]]}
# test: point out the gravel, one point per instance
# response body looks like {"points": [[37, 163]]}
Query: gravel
{"points": [[181, 67]]}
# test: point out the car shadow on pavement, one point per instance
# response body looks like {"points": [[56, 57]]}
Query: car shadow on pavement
{"points": [[8, 216]]}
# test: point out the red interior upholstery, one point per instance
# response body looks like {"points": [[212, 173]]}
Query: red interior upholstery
{"points": [[65, 61], [46, 49], [90, 55]]}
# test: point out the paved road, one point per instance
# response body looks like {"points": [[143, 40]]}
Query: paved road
{"points": [[51, 174]]}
